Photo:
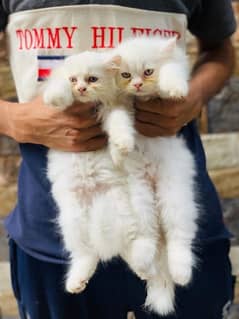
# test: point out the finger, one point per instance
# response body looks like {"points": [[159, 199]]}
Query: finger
{"points": [[174, 108], [90, 145], [157, 119], [150, 106], [85, 134], [151, 130], [79, 122], [76, 133], [169, 108]]}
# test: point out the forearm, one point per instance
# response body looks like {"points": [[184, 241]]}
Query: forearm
{"points": [[212, 69], [34, 122], [5, 125]]}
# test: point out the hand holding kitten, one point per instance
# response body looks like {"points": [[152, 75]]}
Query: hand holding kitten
{"points": [[165, 117], [165, 101], [74, 130]]}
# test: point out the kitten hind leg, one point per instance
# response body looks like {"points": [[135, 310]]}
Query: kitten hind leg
{"points": [[141, 252], [81, 270], [177, 206], [181, 260], [139, 255], [73, 222]]}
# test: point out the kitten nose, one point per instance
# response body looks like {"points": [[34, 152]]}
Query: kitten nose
{"points": [[82, 89], [138, 85]]}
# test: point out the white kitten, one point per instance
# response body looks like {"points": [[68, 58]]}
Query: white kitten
{"points": [[103, 210], [89, 77], [151, 68]]}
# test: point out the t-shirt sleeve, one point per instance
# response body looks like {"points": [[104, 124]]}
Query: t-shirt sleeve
{"points": [[3, 18], [213, 20]]}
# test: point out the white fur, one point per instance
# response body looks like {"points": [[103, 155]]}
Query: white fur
{"points": [[135, 199], [169, 163], [104, 210], [170, 64]]}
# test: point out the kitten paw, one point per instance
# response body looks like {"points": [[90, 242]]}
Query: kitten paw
{"points": [[182, 276], [142, 258], [173, 89], [59, 101], [119, 149], [58, 94], [125, 144], [180, 266], [80, 273], [116, 156], [74, 286]]}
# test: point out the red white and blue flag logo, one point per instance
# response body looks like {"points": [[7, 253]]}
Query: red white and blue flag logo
{"points": [[47, 63]]}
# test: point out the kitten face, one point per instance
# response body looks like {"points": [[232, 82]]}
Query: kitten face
{"points": [[90, 75], [139, 79], [85, 86], [141, 59]]}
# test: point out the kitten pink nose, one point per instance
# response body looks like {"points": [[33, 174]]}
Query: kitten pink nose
{"points": [[82, 89], [138, 85]]}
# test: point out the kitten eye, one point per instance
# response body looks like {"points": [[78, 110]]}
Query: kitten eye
{"points": [[148, 72], [73, 79], [126, 75], [92, 79]]}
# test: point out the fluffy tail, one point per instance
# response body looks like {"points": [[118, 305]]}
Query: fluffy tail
{"points": [[160, 296], [161, 289]]}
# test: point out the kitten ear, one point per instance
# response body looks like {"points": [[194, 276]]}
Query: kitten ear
{"points": [[113, 64], [169, 46]]}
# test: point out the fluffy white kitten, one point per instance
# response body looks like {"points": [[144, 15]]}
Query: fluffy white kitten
{"points": [[105, 210], [151, 68]]}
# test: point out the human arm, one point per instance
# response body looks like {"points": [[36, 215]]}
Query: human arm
{"points": [[74, 130], [213, 67]]}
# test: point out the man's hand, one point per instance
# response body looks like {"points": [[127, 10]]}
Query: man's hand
{"points": [[74, 130], [166, 117]]}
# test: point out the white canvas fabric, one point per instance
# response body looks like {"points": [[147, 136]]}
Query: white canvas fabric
{"points": [[39, 39]]}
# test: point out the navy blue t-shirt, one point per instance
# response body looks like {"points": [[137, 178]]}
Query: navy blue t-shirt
{"points": [[32, 222]]}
